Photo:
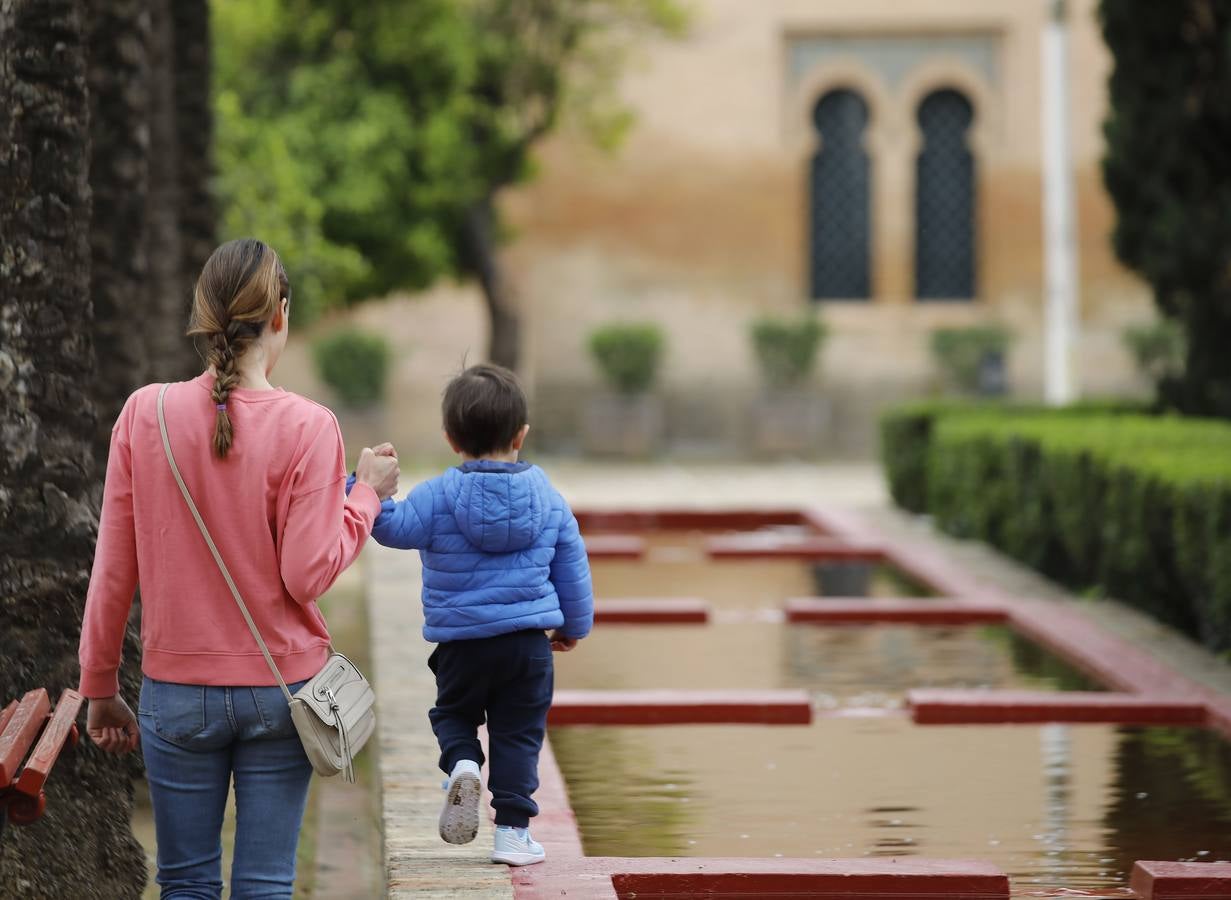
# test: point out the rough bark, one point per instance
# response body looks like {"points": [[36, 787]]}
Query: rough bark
{"points": [[83, 847], [193, 131], [180, 216], [482, 254], [169, 286], [119, 179]]}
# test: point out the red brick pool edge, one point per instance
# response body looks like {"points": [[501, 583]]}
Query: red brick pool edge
{"points": [[1145, 691], [568, 872]]}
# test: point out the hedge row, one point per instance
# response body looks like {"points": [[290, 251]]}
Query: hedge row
{"points": [[1134, 506], [906, 435]]}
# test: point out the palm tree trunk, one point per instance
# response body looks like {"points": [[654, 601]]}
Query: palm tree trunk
{"points": [[119, 179], [179, 212], [84, 846], [194, 131]]}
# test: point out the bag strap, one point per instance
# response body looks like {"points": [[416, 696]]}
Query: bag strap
{"points": [[192, 507]]}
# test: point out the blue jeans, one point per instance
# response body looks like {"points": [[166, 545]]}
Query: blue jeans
{"points": [[195, 737]]}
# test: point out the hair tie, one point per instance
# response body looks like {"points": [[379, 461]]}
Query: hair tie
{"points": [[222, 407]]}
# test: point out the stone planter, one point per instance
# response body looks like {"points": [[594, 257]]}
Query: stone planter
{"points": [[789, 423], [625, 425], [993, 379]]}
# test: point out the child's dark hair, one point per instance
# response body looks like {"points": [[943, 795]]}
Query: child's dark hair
{"points": [[484, 408]]}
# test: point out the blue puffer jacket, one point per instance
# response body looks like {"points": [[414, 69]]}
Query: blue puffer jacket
{"points": [[501, 552]]}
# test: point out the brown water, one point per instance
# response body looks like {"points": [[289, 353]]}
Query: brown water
{"points": [[676, 565], [1054, 806], [848, 665]]}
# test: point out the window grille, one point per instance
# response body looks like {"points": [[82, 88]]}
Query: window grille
{"points": [[840, 238], [945, 200]]}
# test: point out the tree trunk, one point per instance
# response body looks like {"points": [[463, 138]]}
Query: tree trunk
{"points": [[193, 132], [483, 261], [119, 178], [168, 290], [83, 847], [179, 211]]}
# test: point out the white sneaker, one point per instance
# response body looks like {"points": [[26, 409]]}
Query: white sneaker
{"points": [[515, 847], [459, 819]]}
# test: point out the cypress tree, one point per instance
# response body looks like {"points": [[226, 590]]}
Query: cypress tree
{"points": [[1168, 170]]}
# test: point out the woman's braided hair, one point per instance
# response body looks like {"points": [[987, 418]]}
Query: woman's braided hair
{"points": [[239, 290]]}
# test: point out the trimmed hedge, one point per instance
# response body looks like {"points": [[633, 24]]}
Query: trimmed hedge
{"points": [[906, 436], [1135, 506]]}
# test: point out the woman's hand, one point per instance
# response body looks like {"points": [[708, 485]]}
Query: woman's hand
{"points": [[111, 725], [560, 643], [379, 472]]}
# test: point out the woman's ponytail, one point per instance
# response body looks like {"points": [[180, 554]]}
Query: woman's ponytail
{"points": [[237, 293]]}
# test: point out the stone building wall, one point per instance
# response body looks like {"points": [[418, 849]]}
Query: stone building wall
{"points": [[700, 221]]}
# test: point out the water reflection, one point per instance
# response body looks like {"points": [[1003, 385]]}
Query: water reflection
{"points": [[1171, 798], [1067, 808], [843, 666]]}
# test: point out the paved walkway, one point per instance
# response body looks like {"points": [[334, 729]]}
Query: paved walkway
{"points": [[417, 862]]}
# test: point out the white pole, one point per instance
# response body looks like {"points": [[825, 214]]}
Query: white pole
{"points": [[1059, 215]]}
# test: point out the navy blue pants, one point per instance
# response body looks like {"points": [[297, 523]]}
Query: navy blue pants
{"points": [[508, 680]]}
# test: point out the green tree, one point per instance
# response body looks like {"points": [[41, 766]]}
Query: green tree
{"points": [[1168, 169], [535, 60], [341, 138], [369, 142]]}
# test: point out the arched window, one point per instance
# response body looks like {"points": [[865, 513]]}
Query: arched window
{"points": [[840, 200], [945, 200]]}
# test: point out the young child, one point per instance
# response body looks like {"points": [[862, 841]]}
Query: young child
{"points": [[503, 562]]}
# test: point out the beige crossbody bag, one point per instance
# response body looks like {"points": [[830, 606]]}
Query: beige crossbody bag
{"points": [[334, 712]]}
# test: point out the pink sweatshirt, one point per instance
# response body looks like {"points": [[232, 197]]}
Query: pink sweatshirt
{"points": [[277, 510]]}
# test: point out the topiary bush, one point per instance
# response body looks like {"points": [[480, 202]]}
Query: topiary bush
{"points": [[1138, 507], [964, 353], [786, 349], [628, 355], [354, 363], [906, 436]]}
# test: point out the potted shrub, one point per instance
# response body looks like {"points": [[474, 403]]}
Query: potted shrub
{"points": [[789, 416], [627, 419], [355, 366], [973, 359]]}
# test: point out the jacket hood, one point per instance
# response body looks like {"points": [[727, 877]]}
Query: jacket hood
{"points": [[499, 507]]}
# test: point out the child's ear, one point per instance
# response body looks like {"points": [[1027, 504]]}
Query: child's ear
{"points": [[521, 437], [452, 443]]}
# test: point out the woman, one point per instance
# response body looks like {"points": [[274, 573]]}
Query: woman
{"points": [[266, 468]]}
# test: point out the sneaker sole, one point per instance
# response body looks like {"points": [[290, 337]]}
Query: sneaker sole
{"points": [[517, 859], [459, 820]]}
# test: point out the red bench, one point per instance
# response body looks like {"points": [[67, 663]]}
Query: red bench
{"points": [[24, 772]]}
